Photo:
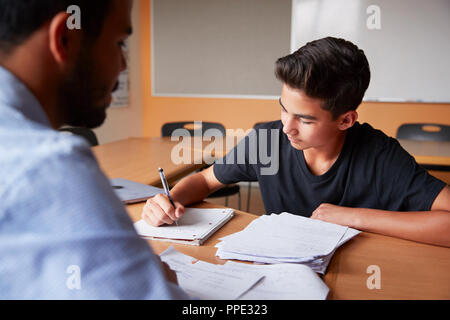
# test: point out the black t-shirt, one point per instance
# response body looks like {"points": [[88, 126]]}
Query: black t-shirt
{"points": [[372, 171]]}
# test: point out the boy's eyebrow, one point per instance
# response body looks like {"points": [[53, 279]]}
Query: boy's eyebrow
{"points": [[304, 116]]}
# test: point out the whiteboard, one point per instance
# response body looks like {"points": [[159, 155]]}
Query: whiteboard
{"points": [[406, 42]]}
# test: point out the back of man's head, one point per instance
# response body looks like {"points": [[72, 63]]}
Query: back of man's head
{"points": [[69, 53], [19, 19]]}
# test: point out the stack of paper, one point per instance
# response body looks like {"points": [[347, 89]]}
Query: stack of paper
{"points": [[286, 238], [243, 281]]}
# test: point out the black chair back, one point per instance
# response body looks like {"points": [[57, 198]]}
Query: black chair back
{"points": [[168, 129], [258, 124], [424, 132]]}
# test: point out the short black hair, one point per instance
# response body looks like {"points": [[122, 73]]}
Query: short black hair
{"points": [[19, 19], [333, 70]]}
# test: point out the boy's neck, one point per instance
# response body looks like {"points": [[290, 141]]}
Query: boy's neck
{"points": [[320, 160]]}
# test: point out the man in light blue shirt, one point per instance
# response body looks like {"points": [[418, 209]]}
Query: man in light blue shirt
{"points": [[63, 232]]}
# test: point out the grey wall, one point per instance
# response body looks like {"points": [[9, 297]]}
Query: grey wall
{"points": [[218, 47]]}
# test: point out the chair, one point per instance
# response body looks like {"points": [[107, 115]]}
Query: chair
{"points": [[86, 133], [168, 129], [425, 132]]}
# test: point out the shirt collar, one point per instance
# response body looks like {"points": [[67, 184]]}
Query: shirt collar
{"points": [[15, 94]]}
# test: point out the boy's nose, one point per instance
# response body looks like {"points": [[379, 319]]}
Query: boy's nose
{"points": [[289, 127]]}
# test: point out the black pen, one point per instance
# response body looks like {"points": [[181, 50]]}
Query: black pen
{"points": [[166, 188]]}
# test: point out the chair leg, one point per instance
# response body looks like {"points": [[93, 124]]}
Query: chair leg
{"points": [[248, 196], [239, 197]]}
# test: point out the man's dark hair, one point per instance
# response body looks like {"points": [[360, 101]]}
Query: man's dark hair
{"points": [[332, 70], [19, 19]]}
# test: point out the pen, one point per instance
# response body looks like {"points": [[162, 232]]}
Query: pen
{"points": [[166, 188]]}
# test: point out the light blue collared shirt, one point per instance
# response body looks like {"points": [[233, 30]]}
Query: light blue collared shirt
{"points": [[63, 232]]}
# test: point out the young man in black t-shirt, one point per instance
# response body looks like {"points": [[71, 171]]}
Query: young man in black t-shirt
{"points": [[327, 165]]}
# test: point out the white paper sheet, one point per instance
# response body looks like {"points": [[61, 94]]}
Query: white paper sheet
{"points": [[283, 282], [207, 281]]}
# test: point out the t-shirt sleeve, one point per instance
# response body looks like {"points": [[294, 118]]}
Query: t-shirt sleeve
{"points": [[402, 184], [240, 163]]}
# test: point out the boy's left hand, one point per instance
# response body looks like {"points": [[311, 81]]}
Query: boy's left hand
{"points": [[335, 214]]}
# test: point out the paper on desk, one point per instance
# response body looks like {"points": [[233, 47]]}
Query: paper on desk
{"points": [[132, 192], [283, 282], [207, 281], [291, 236], [276, 231], [349, 234], [176, 260]]}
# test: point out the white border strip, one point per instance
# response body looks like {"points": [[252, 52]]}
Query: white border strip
{"points": [[217, 96], [293, 26]]}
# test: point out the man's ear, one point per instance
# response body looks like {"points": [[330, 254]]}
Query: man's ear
{"points": [[64, 43], [347, 120]]}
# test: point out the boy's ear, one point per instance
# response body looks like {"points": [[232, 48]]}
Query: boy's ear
{"points": [[64, 44], [347, 120]]}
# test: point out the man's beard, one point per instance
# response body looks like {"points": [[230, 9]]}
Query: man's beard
{"points": [[80, 94]]}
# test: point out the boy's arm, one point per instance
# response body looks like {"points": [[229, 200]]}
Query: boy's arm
{"points": [[196, 187], [192, 189], [431, 227]]}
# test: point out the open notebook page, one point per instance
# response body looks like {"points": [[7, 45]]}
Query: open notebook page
{"points": [[193, 225]]}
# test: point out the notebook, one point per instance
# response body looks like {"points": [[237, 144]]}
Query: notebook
{"points": [[133, 192], [194, 227]]}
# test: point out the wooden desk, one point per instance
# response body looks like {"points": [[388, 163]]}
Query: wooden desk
{"points": [[431, 153], [428, 152], [409, 270], [138, 159]]}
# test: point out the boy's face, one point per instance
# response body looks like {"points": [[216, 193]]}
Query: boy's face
{"points": [[305, 123], [86, 92]]}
